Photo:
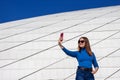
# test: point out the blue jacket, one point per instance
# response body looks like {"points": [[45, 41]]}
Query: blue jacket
{"points": [[83, 58]]}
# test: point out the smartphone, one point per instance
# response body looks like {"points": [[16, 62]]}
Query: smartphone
{"points": [[61, 36]]}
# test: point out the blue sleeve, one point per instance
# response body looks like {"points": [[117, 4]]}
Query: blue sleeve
{"points": [[95, 64], [70, 53]]}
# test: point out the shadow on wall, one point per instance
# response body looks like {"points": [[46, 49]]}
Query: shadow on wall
{"points": [[19, 9]]}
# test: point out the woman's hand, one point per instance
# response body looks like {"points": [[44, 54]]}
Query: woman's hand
{"points": [[60, 43], [94, 71]]}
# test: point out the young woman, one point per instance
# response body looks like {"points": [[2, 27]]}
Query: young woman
{"points": [[85, 58]]}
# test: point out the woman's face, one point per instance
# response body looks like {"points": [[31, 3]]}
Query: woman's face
{"points": [[81, 43]]}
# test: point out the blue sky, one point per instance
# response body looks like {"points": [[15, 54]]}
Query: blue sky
{"points": [[11, 10]]}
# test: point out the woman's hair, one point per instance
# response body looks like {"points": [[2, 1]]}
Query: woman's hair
{"points": [[87, 45]]}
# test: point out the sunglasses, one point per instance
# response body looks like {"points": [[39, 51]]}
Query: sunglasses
{"points": [[81, 41]]}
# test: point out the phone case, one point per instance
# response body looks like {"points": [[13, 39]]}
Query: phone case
{"points": [[61, 36]]}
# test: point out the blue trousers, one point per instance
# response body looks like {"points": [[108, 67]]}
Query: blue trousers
{"points": [[84, 75]]}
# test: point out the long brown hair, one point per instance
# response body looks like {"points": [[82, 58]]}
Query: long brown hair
{"points": [[87, 45]]}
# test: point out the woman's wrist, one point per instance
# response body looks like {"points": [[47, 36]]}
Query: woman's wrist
{"points": [[61, 46]]}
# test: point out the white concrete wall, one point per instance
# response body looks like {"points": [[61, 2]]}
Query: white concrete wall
{"points": [[29, 50]]}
